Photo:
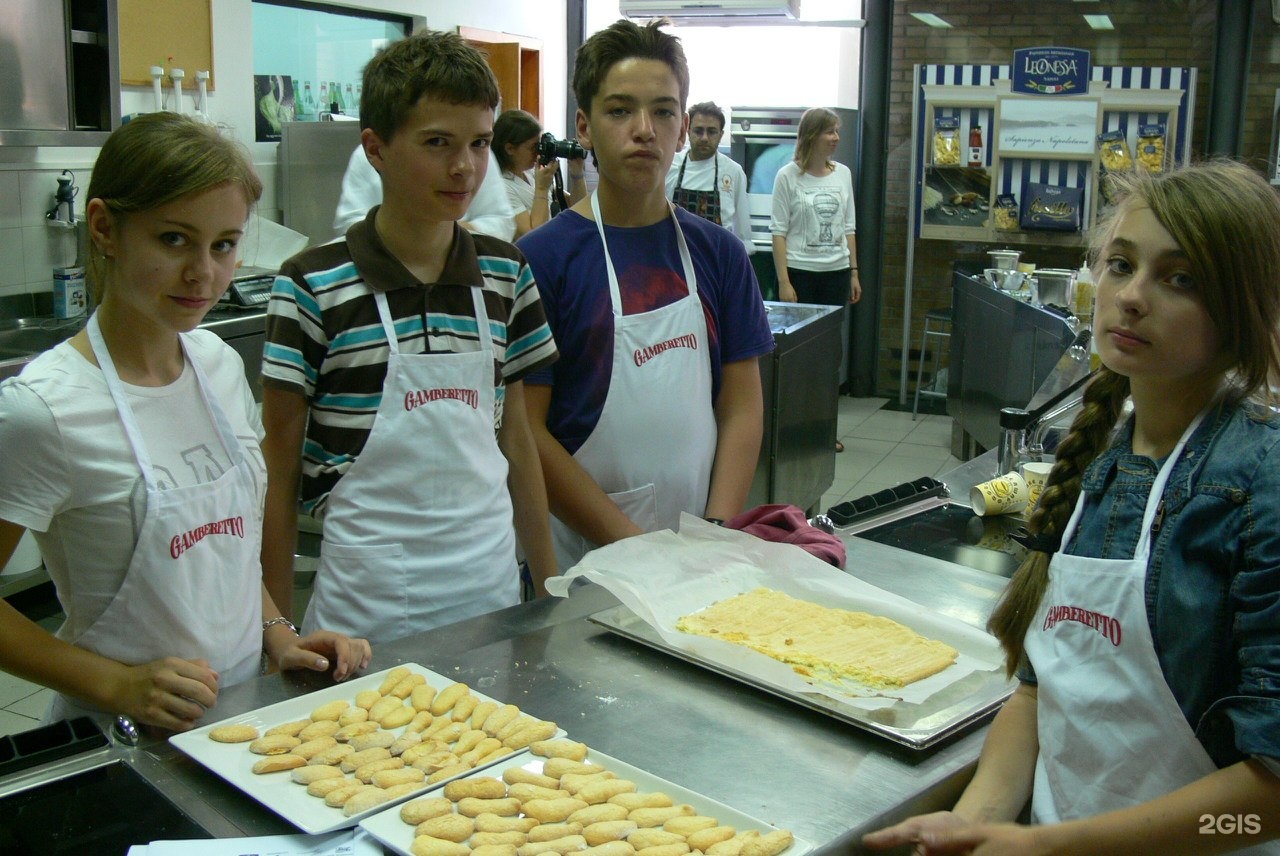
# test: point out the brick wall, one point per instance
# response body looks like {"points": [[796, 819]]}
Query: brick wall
{"points": [[1148, 32]]}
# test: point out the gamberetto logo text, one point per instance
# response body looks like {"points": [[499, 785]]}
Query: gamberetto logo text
{"points": [[1104, 624], [180, 544], [643, 355]]}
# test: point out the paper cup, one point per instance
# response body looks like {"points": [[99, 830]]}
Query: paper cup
{"points": [[1034, 473], [1007, 494]]}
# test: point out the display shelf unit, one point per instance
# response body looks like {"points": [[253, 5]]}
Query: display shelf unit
{"points": [[1007, 168], [1120, 98]]}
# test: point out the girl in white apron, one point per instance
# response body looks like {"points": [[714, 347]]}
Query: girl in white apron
{"points": [[1143, 622], [152, 535]]}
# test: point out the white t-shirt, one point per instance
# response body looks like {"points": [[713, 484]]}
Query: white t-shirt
{"points": [[68, 473], [519, 191], [815, 215], [735, 211], [489, 212]]}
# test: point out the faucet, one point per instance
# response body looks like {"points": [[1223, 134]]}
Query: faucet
{"points": [[1022, 431]]}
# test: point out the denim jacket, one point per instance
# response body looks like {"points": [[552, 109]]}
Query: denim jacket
{"points": [[1213, 580]]}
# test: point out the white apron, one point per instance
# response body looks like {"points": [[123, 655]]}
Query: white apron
{"points": [[193, 588], [420, 531], [1111, 732], [653, 447]]}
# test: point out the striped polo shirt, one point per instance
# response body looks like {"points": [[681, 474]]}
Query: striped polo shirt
{"points": [[325, 340]]}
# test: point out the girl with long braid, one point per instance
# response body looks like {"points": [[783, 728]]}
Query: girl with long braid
{"points": [[1145, 625]]}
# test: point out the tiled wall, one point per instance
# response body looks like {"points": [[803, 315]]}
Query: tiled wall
{"points": [[30, 248]]}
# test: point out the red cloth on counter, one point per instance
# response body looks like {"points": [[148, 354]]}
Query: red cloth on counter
{"points": [[786, 524]]}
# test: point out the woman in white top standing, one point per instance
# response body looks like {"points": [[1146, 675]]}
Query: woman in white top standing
{"points": [[528, 183], [815, 249], [132, 453]]}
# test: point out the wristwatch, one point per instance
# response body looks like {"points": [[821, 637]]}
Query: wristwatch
{"points": [[280, 619]]}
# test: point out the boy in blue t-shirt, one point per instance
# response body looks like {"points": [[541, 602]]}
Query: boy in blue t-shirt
{"points": [[655, 406]]}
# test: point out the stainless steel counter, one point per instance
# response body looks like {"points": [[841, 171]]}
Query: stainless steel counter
{"points": [[825, 780]]}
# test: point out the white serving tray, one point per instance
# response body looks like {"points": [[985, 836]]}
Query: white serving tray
{"points": [[394, 833], [277, 791]]}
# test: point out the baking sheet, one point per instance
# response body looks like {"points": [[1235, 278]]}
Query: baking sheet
{"points": [[662, 576], [277, 791], [916, 726], [397, 835]]}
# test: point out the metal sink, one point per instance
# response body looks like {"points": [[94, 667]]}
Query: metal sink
{"points": [[23, 338]]}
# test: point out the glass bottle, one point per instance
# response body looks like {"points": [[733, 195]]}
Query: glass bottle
{"points": [[324, 97], [975, 145], [335, 92], [307, 113]]}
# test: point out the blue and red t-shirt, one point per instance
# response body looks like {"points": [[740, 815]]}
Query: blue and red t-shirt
{"points": [[567, 261]]}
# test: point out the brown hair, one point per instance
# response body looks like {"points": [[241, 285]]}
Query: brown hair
{"points": [[428, 63], [513, 127], [157, 158], [1226, 218], [707, 108], [813, 123], [626, 40]]}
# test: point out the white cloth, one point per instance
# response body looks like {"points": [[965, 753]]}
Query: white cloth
{"points": [[735, 210], [519, 191], [489, 213], [654, 462], [1111, 733], [816, 216], [420, 531], [193, 584], [69, 475]]}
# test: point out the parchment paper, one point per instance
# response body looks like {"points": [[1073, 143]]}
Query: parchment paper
{"points": [[664, 575]]}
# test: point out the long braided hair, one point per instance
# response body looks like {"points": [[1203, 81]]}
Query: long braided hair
{"points": [[1226, 218]]}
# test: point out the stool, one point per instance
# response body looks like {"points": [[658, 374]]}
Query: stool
{"points": [[937, 325]]}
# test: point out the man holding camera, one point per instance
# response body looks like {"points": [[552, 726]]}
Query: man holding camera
{"points": [[708, 183], [654, 407]]}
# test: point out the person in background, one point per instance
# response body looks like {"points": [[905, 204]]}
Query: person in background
{"points": [[1143, 627], [655, 406], [393, 369], [515, 145], [708, 183], [150, 532], [488, 214], [815, 249]]}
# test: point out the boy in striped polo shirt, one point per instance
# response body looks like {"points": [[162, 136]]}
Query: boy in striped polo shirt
{"points": [[393, 400]]}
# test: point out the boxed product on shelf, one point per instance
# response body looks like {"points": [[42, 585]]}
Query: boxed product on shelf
{"points": [[1049, 207]]}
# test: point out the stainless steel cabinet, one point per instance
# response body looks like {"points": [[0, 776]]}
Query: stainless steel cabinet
{"points": [[61, 81]]}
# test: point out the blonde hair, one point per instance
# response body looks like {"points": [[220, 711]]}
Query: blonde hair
{"points": [[155, 159], [1226, 218], [814, 122]]}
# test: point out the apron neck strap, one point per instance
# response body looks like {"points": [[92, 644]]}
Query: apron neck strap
{"points": [[477, 302], [132, 430], [686, 261], [1143, 549]]}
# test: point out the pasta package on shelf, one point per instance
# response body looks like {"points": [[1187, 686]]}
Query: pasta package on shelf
{"points": [[1006, 212], [1113, 149], [1052, 208], [1151, 147], [946, 141]]}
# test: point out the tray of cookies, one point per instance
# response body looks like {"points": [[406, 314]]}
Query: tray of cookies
{"points": [[325, 760], [563, 798]]}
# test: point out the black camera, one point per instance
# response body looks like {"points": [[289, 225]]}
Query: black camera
{"points": [[549, 148]]}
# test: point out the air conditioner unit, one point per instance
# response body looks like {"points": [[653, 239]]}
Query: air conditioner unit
{"points": [[710, 10]]}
